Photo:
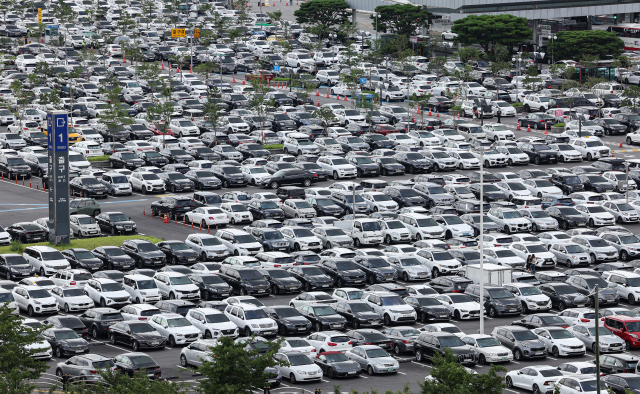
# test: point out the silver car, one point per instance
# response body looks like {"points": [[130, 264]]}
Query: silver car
{"points": [[570, 254], [628, 245], [84, 226], [332, 236], [587, 334], [409, 268], [198, 352], [539, 218], [298, 208], [373, 359], [83, 367]]}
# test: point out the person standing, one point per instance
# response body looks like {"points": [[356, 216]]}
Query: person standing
{"points": [[499, 114], [531, 264], [475, 111]]}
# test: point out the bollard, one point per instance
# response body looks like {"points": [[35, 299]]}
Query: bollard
{"points": [[234, 78], [37, 185], [30, 184], [16, 178], [192, 225], [208, 229], [200, 226], [176, 219], [143, 213], [159, 216], [318, 102], [437, 114], [243, 80], [327, 92], [184, 221]]}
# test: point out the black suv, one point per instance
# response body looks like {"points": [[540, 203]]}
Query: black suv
{"points": [[281, 281], [498, 301], [376, 269], [99, 320], [311, 277], [568, 183], [229, 175], [567, 217], [290, 192], [181, 307], [131, 363], [112, 257], [289, 320], [428, 309], [245, 281], [175, 207], [428, 344], [405, 196], [563, 296], [175, 181], [609, 164], [178, 252], [343, 272], [211, 286], [137, 334], [450, 284], [116, 223], [145, 253], [586, 285], [539, 153], [323, 317], [358, 314], [82, 258]]}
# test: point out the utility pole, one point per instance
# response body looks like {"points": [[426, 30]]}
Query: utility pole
{"points": [[597, 321], [482, 240]]}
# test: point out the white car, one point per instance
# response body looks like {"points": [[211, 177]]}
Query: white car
{"points": [[45, 260], [239, 242], [198, 352], [506, 108], [544, 258], [394, 231], [454, 226], [208, 247], [627, 284], [34, 300], [175, 329], [298, 367], [251, 319], [174, 285], [237, 212], [497, 132], [71, 299], [298, 345], [541, 187], [577, 384], [379, 202], [338, 166], [489, 349], [301, 238], [321, 340], [590, 149], [599, 250], [535, 378], [146, 182], [212, 323], [391, 307], [425, 138], [87, 148], [460, 306], [106, 292], [530, 297], [560, 342], [207, 217], [139, 312]]}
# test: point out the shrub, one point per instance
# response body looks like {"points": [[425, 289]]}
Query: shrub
{"points": [[16, 247]]}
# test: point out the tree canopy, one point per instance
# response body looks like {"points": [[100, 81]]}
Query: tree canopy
{"points": [[491, 30], [401, 19], [323, 15], [578, 44]]}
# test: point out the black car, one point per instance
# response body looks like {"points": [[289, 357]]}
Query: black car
{"points": [[281, 281], [289, 320], [312, 167], [377, 269], [83, 259], [176, 155], [139, 132], [498, 301], [344, 272], [178, 252], [540, 320], [632, 121], [65, 342], [153, 158], [289, 177], [595, 183], [326, 207], [181, 307], [539, 153], [211, 286], [99, 320], [15, 266], [336, 364], [26, 232], [229, 175], [112, 257], [537, 121], [245, 281], [130, 363], [36, 139], [265, 209], [323, 317], [367, 336], [611, 126], [427, 310], [116, 223], [377, 141], [136, 334], [563, 296], [414, 162], [175, 207], [490, 192], [87, 186], [428, 344], [450, 284], [568, 183], [145, 253], [621, 383], [176, 181], [203, 153], [618, 363], [311, 277], [128, 160], [405, 196], [70, 322], [358, 314], [290, 192], [567, 217], [14, 167], [609, 164], [586, 285]]}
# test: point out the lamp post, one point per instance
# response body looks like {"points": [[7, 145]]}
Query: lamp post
{"points": [[481, 239], [513, 59], [553, 38]]}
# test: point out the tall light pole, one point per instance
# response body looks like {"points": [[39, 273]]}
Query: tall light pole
{"points": [[553, 38], [513, 59], [481, 240]]}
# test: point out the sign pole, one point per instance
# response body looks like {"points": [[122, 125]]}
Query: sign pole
{"points": [[58, 150]]}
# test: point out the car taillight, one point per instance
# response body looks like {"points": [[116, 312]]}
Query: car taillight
{"points": [[585, 320], [457, 291], [277, 265], [565, 326], [332, 344], [142, 318], [548, 382], [26, 128], [405, 341], [350, 342], [368, 343], [92, 371], [314, 350], [72, 283]]}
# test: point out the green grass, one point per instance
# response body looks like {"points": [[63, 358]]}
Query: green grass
{"points": [[99, 158], [89, 243], [280, 79], [558, 125], [273, 146], [517, 104]]}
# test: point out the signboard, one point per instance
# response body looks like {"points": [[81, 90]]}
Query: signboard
{"points": [[58, 174], [196, 33], [177, 33], [545, 30], [363, 80], [559, 112], [39, 15], [276, 68], [369, 95]]}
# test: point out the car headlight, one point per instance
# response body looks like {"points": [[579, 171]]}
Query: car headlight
{"points": [[37, 302], [301, 372], [119, 227]]}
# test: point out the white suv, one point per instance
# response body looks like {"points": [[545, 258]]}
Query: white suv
{"points": [[175, 329], [106, 292], [34, 300], [45, 259], [208, 246], [392, 307], [251, 319], [141, 312], [176, 286], [141, 288], [534, 102], [339, 167], [212, 323], [530, 297]]}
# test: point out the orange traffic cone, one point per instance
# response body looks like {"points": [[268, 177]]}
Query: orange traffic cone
{"points": [[528, 129], [545, 129], [317, 92], [166, 218], [620, 143], [178, 69], [318, 102], [518, 128], [345, 98], [243, 80], [437, 114], [458, 115], [124, 59], [414, 119], [418, 111], [162, 64], [430, 112], [327, 92], [234, 78], [337, 97]]}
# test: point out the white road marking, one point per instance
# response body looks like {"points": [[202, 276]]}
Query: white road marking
{"points": [[117, 347]]}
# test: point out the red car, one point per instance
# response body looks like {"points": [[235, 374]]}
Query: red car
{"points": [[626, 327], [384, 129]]}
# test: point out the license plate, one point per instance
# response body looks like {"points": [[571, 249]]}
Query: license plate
{"points": [[126, 266], [389, 369], [98, 192], [325, 285], [351, 373], [512, 310], [261, 291], [538, 353], [302, 329], [505, 358]]}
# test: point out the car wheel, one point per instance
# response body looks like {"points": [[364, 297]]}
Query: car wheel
{"points": [[94, 333], [536, 160], [555, 352], [569, 263], [593, 347], [183, 361], [172, 341], [307, 182], [292, 378], [435, 273], [307, 287], [534, 228], [387, 320], [388, 240], [331, 374], [243, 291], [405, 277], [58, 352], [631, 299], [370, 370], [629, 141], [172, 296], [536, 389], [589, 157], [103, 303], [418, 237], [30, 311], [419, 355], [318, 327], [624, 256], [517, 355], [562, 306], [66, 308], [357, 243], [335, 175], [493, 312], [396, 350], [112, 339], [423, 317], [41, 271], [113, 231], [592, 258]]}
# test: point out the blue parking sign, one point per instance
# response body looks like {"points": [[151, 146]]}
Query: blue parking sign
{"points": [[363, 80], [58, 132], [276, 68]]}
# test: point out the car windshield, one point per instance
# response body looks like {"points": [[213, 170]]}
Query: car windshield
{"points": [[393, 300], [528, 291], [335, 357], [178, 322], [547, 373], [377, 353], [512, 215], [323, 310], [119, 217], [500, 293], [560, 334], [451, 341], [299, 359], [536, 248], [524, 335], [427, 222], [210, 241], [113, 252], [598, 243], [66, 335], [180, 280], [109, 287], [147, 247], [539, 214], [487, 342], [601, 331], [441, 256]]}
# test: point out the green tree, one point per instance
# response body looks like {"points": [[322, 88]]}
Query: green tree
{"points": [[65, 14], [401, 19], [449, 376], [115, 382], [258, 102], [467, 54], [236, 370], [631, 97], [325, 116], [490, 30], [420, 103], [579, 43], [324, 15], [436, 66], [18, 368], [22, 97], [113, 116]]}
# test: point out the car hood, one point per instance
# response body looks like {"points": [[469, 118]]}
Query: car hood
{"points": [[154, 254], [332, 319], [295, 320], [147, 335], [73, 342], [121, 259]]}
